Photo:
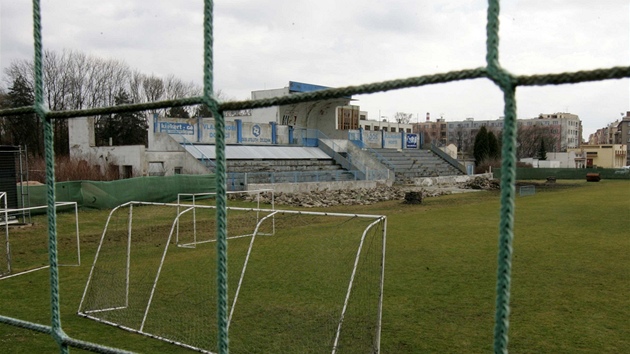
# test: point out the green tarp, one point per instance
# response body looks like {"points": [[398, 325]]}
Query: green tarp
{"points": [[107, 195]]}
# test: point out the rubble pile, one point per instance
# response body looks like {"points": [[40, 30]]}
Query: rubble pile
{"points": [[327, 198], [363, 196], [481, 183]]}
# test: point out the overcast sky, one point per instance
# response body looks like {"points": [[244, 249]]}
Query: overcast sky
{"points": [[263, 44]]}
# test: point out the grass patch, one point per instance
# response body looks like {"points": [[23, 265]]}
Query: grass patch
{"points": [[570, 281]]}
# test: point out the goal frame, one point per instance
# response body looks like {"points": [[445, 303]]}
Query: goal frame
{"points": [[6, 211], [194, 197], [272, 213]]}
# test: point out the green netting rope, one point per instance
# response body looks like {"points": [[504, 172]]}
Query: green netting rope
{"points": [[56, 332], [221, 177], [493, 71]]}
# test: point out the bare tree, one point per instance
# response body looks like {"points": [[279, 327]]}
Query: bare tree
{"points": [[402, 118], [530, 137]]}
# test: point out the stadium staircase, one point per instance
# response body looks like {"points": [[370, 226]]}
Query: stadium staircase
{"points": [[410, 163]]}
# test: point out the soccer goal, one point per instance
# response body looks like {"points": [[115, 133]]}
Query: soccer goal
{"points": [[266, 196], [24, 249], [314, 285]]}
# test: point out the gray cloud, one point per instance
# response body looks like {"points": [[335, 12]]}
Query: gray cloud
{"points": [[264, 44]]}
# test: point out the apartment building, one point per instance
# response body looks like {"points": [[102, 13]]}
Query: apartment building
{"points": [[564, 128]]}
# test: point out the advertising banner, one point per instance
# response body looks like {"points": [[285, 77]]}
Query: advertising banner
{"points": [[373, 139], [392, 140], [256, 133], [176, 127], [208, 132], [411, 141]]}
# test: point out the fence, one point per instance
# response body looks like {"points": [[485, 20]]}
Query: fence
{"points": [[566, 173], [493, 71]]}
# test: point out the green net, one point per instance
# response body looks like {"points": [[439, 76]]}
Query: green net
{"points": [[506, 81]]}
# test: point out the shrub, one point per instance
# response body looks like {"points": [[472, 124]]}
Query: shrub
{"points": [[73, 169]]}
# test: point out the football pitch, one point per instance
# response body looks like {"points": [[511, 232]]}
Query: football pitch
{"points": [[570, 277]]}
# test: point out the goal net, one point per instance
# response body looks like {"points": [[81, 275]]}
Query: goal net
{"points": [[25, 246], [302, 282]]}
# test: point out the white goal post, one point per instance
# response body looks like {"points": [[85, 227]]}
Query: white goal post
{"points": [[7, 269], [193, 197], [321, 275]]}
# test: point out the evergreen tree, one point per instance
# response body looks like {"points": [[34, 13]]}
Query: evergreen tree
{"points": [[24, 130], [494, 151], [481, 149], [177, 112], [542, 150], [127, 128]]}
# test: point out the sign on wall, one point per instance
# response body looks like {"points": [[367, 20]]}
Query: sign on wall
{"points": [[176, 128], [392, 140], [412, 141], [209, 133], [254, 133], [373, 139]]}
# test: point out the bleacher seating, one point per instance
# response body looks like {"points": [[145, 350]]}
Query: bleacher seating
{"points": [[411, 163], [242, 172]]}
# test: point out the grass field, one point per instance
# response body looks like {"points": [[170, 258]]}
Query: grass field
{"points": [[570, 280]]}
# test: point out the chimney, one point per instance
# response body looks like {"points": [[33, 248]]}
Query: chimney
{"points": [[429, 116]]}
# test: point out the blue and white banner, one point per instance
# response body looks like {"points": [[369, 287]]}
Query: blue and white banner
{"points": [[177, 128], [411, 141]]}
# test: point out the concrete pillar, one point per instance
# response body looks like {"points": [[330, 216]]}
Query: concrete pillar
{"points": [[274, 133], [239, 131]]}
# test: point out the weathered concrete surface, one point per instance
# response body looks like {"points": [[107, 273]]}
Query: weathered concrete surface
{"points": [[445, 181]]}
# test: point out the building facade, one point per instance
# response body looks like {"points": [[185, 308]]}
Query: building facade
{"points": [[622, 134], [320, 115], [563, 129], [604, 155], [435, 132]]}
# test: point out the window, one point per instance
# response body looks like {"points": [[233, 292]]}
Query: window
{"points": [[347, 118], [400, 130], [408, 130], [127, 171], [367, 127], [376, 128], [392, 129], [177, 170]]}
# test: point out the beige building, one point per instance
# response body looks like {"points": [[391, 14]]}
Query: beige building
{"points": [[622, 134], [605, 156], [434, 131]]}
